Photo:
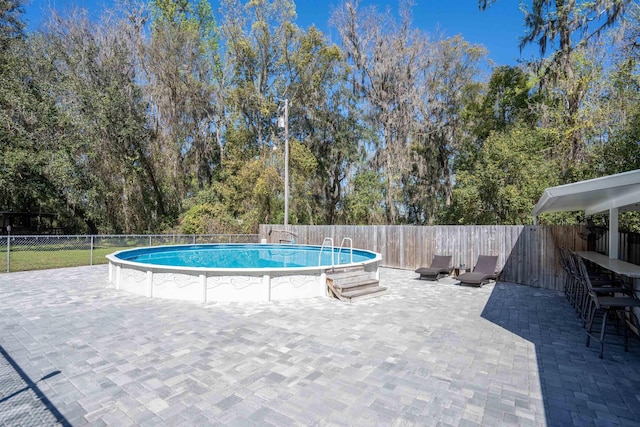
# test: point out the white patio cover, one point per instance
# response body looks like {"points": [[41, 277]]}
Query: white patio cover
{"points": [[612, 194]]}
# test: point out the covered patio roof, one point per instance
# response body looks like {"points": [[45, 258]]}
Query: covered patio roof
{"points": [[593, 196], [608, 194]]}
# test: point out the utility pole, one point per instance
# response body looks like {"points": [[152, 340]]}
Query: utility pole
{"points": [[286, 162], [283, 122]]}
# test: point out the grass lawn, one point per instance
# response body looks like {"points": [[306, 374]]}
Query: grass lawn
{"points": [[24, 260]]}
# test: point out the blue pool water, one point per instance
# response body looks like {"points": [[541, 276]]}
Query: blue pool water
{"points": [[243, 256]]}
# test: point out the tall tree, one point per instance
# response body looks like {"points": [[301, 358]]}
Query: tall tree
{"points": [[387, 57], [323, 118], [615, 113], [256, 35], [182, 68], [507, 177], [26, 115], [503, 154], [100, 161], [413, 92], [449, 82], [565, 26], [11, 24]]}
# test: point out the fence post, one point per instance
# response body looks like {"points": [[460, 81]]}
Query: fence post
{"points": [[194, 239], [91, 256], [8, 253], [149, 239]]}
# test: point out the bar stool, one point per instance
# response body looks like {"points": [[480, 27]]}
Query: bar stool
{"points": [[601, 284], [569, 281], [607, 305]]}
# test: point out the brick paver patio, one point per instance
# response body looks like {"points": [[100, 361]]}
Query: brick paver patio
{"points": [[424, 354]]}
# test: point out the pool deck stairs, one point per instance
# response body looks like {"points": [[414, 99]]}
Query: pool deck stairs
{"points": [[353, 285]]}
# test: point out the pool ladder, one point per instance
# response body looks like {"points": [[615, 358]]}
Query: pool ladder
{"points": [[331, 247]]}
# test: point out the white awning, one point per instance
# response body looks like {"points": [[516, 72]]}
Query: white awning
{"points": [[594, 196], [608, 194]]}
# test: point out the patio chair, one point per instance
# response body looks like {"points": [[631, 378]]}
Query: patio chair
{"points": [[602, 285], [608, 305], [440, 267], [483, 272], [570, 285]]}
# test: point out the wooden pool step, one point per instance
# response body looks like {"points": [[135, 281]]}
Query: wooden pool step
{"points": [[354, 285]]}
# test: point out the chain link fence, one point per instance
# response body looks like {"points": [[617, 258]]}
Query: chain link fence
{"points": [[21, 253]]}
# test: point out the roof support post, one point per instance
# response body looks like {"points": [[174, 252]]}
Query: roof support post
{"points": [[614, 236]]}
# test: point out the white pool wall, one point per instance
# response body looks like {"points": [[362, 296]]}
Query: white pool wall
{"points": [[224, 284]]}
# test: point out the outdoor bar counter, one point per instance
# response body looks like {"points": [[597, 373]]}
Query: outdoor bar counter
{"points": [[618, 266]]}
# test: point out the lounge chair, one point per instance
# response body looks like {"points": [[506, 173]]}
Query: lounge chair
{"points": [[483, 272], [440, 267]]}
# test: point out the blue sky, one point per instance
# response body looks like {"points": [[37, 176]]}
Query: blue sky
{"points": [[498, 28]]}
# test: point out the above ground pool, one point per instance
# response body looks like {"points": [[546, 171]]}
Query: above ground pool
{"points": [[232, 272]]}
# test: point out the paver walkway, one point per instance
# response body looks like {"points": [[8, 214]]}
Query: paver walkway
{"points": [[424, 354]]}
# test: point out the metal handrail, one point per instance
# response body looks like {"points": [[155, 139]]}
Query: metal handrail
{"points": [[350, 248], [332, 252]]}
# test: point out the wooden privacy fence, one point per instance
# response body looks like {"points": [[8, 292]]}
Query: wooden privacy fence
{"points": [[526, 254], [628, 248]]}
